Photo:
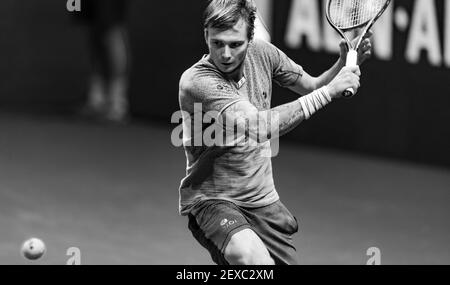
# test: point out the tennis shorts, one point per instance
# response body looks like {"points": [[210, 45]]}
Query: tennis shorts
{"points": [[215, 222]]}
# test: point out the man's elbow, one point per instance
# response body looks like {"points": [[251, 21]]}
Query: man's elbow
{"points": [[261, 134]]}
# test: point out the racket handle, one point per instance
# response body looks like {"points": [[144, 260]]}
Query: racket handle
{"points": [[352, 60]]}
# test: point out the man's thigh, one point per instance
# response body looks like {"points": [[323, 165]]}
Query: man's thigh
{"points": [[275, 225], [247, 248]]}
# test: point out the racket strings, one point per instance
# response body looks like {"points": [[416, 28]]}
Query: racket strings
{"points": [[346, 14]]}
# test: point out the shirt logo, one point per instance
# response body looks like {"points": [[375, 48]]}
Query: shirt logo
{"points": [[223, 87]]}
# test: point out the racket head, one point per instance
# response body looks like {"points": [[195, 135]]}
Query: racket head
{"points": [[345, 15]]}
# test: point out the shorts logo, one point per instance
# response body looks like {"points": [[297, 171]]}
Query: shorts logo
{"points": [[227, 223]]}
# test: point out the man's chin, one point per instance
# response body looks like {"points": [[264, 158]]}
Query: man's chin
{"points": [[231, 70], [227, 69]]}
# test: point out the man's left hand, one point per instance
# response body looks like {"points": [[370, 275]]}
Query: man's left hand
{"points": [[364, 50]]}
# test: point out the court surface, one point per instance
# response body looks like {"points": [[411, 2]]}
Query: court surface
{"points": [[112, 191]]}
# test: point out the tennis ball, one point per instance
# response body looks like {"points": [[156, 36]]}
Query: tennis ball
{"points": [[33, 249]]}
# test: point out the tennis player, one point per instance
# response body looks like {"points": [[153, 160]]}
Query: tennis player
{"points": [[228, 193]]}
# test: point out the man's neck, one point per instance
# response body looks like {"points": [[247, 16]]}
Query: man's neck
{"points": [[237, 74]]}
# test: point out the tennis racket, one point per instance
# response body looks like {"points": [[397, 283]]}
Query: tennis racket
{"points": [[350, 17]]}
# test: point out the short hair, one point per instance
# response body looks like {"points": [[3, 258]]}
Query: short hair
{"points": [[224, 14]]}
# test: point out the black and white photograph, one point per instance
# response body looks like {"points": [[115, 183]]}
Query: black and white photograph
{"points": [[225, 132]]}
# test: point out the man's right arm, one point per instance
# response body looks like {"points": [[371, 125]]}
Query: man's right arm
{"points": [[262, 126], [270, 124]]}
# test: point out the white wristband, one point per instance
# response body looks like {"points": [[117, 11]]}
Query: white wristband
{"points": [[315, 101]]}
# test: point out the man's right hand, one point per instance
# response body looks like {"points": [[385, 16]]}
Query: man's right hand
{"points": [[347, 78]]}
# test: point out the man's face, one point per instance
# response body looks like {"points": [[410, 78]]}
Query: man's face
{"points": [[228, 48]]}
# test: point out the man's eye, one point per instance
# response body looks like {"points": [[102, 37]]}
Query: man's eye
{"points": [[236, 45], [217, 44]]}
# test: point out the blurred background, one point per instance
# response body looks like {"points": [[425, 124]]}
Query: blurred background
{"points": [[81, 167]]}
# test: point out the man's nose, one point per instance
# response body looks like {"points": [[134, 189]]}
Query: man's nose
{"points": [[226, 52]]}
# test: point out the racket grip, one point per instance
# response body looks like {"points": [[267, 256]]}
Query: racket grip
{"points": [[352, 60]]}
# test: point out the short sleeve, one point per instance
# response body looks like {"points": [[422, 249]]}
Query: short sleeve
{"points": [[285, 72]]}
